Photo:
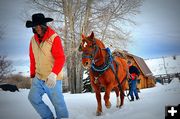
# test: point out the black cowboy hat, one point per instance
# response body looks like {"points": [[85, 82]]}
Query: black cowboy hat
{"points": [[37, 19]]}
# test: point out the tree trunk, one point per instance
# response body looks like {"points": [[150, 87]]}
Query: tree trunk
{"points": [[66, 43]]}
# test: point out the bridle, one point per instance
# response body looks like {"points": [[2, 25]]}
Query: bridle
{"points": [[92, 54]]}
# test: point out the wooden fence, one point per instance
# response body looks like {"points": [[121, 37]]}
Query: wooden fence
{"points": [[166, 78]]}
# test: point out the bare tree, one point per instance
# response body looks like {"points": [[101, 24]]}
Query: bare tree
{"points": [[5, 67], [74, 17]]}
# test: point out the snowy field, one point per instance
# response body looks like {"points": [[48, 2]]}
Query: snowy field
{"points": [[158, 65], [83, 106]]}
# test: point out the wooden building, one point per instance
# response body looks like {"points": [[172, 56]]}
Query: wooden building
{"points": [[146, 77]]}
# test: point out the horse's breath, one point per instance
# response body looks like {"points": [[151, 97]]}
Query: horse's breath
{"points": [[103, 71]]}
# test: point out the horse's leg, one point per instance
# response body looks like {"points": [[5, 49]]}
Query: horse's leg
{"points": [[97, 90], [117, 96], [107, 95], [99, 108], [122, 94], [122, 99]]}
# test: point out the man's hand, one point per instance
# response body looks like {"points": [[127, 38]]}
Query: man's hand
{"points": [[51, 80], [136, 77], [132, 77]]}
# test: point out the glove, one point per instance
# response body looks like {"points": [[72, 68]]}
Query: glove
{"points": [[51, 80]]}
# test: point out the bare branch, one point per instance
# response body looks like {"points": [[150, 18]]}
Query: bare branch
{"points": [[5, 67]]}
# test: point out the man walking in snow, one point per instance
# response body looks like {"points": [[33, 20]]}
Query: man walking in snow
{"points": [[46, 62], [134, 74]]}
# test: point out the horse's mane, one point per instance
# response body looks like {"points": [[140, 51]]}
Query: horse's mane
{"points": [[100, 43]]}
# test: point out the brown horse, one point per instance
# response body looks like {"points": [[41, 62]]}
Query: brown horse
{"points": [[103, 70]]}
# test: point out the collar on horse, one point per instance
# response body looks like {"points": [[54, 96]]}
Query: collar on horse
{"points": [[101, 69]]}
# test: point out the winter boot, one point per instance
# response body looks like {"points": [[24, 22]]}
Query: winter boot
{"points": [[132, 99], [137, 98]]}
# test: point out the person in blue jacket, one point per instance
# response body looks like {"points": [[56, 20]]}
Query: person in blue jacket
{"points": [[134, 74]]}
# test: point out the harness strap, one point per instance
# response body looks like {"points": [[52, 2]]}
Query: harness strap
{"points": [[117, 79], [107, 64]]}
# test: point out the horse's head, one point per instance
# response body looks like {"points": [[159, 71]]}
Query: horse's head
{"points": [[89, 48]]}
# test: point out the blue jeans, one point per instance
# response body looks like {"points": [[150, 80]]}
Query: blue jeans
{"points": [[38, 88], [133, 89]]}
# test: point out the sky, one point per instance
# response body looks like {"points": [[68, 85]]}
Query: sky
{"points": [[156, 34], [83, 106]]}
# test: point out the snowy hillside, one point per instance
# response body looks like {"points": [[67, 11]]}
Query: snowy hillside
{"points": [[164, 65], [83, 106]]}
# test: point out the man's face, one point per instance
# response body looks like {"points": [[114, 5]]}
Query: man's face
{"points": [[38, 30]]}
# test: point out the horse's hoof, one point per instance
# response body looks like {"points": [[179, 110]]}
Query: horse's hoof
{"points": [[98, 113], [117, 106], [108, 106]]}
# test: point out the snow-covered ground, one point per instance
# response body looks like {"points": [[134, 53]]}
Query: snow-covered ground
{"points": [[83, 106]]}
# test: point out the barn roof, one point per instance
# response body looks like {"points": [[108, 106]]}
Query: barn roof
{"points": [[141, 64]]}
